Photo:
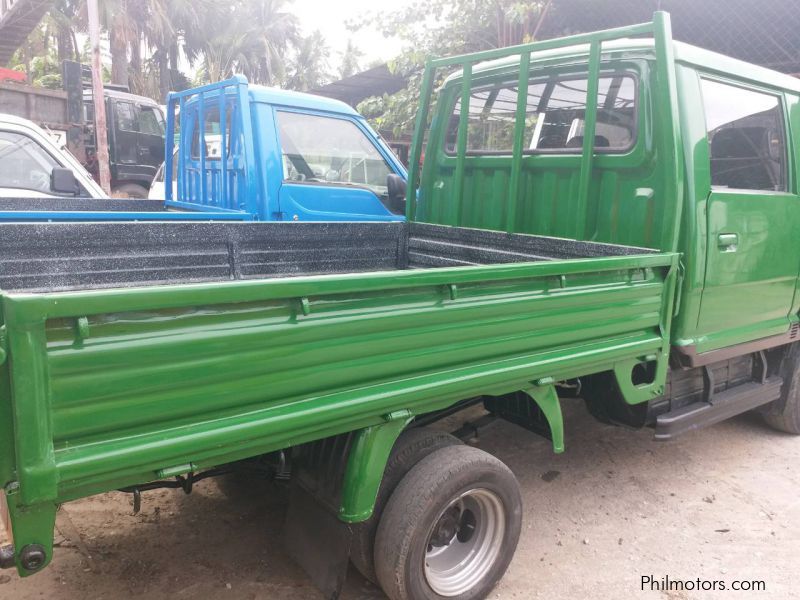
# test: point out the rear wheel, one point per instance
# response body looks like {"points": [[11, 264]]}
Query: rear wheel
{"points": [[784, 413], [450, 529], [411, 447]]}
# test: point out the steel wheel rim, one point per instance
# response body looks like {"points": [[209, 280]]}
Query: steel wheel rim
{"points": [[464, 542]]}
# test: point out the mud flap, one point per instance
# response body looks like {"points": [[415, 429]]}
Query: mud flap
{"points": [[318, 541]]}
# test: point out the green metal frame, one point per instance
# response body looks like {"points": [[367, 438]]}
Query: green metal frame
{"points": [[669, 150]]}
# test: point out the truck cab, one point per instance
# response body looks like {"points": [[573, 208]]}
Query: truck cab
{"points": [[280, 155], [135, 140], [697, 157]]}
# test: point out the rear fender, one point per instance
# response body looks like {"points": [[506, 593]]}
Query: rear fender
{"points": [[366, 464]]}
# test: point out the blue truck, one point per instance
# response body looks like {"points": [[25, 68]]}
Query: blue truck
{"points": [[250, 153]]}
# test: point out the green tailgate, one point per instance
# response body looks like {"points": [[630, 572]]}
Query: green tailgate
{"points": [[113, 388]]}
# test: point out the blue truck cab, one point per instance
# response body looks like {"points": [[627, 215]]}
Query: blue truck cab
{"points": [[278, 155]]}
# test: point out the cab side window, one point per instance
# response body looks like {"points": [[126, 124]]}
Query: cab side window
{"points": [[126, 116], [746, 138], [319, 149], [26, 165], [150, 121]]}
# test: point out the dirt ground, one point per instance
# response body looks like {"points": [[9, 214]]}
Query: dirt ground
{"points": [[719, 504]]}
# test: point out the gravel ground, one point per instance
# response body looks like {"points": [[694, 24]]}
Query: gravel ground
{"points": [[719, 504]]}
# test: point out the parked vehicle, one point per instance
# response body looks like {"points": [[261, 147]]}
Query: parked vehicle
{"points": [[157, 188], [288, 156], [33, 166], [135, 128], [318, 160], [135, 141], [638, 190]]}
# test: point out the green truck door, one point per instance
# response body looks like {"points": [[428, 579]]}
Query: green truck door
{"points": [[752, 217]]}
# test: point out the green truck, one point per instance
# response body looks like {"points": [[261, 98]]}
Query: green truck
{"points": [[608, 216]]}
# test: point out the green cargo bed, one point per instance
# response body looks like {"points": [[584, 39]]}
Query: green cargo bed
{"points": [[209, 344]]}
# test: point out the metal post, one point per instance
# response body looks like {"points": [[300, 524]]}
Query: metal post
{"points": [[589, 129], [98, 96], [457, 205], [416, 146], [519, 138]]}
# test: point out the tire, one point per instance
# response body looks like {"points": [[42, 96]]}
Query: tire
{"points": [[129, 190], [410, 448], [454, 492], [784, 413]]}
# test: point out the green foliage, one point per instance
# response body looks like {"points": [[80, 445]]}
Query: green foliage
{"points": [[351, 59], [434, 28], [309, 66]]}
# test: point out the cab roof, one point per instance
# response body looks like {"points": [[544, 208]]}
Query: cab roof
{"points": [[276, 96], [684, 53]]}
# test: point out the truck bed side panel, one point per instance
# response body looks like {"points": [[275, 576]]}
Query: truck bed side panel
{"points": [[134, 381]]}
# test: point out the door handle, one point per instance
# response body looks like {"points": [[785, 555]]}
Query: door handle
{"points": [[728, 242]]}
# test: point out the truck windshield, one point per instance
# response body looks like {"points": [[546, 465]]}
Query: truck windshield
{"points": [[26, 165], [329, 150], [554, 117]]}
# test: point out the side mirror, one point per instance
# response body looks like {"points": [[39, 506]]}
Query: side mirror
{"points": [[396, 190], [63, 181]]}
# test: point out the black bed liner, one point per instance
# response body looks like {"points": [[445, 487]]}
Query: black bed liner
{"points": [[71, 256], [81, 205]]}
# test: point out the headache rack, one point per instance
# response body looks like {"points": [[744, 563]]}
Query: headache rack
{"points": [[227, 183], [667, 100]]}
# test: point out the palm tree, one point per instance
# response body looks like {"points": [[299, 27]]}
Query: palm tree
{"points": [[350, 60], [271, 30], [117, 18], [309, 66]]}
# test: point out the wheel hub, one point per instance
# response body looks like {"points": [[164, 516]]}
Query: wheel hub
{"points": [[464, 542]]}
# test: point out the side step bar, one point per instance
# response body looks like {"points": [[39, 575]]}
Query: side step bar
{"points": [[724, 405]]}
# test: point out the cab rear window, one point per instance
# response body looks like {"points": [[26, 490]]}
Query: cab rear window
{"points": [[555, 116]]}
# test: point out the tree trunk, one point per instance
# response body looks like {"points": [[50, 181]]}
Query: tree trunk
{"points": [[164, 78], [136, 65], [119, 54], [65, 48]]}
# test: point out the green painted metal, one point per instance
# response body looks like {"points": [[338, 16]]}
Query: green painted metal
{"points": [[192, 376], [461, 143], [625, 198], [657, 195], [519, 138], [587, 156], [546, 398], [366, 464], [416, 146]]}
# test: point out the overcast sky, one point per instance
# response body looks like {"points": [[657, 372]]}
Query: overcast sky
{"points": [[329, 16]]}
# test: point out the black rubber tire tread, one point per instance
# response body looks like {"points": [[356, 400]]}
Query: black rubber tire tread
{"points": [[784, 413], [418, 501], [132, 190], [411, 447]]}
